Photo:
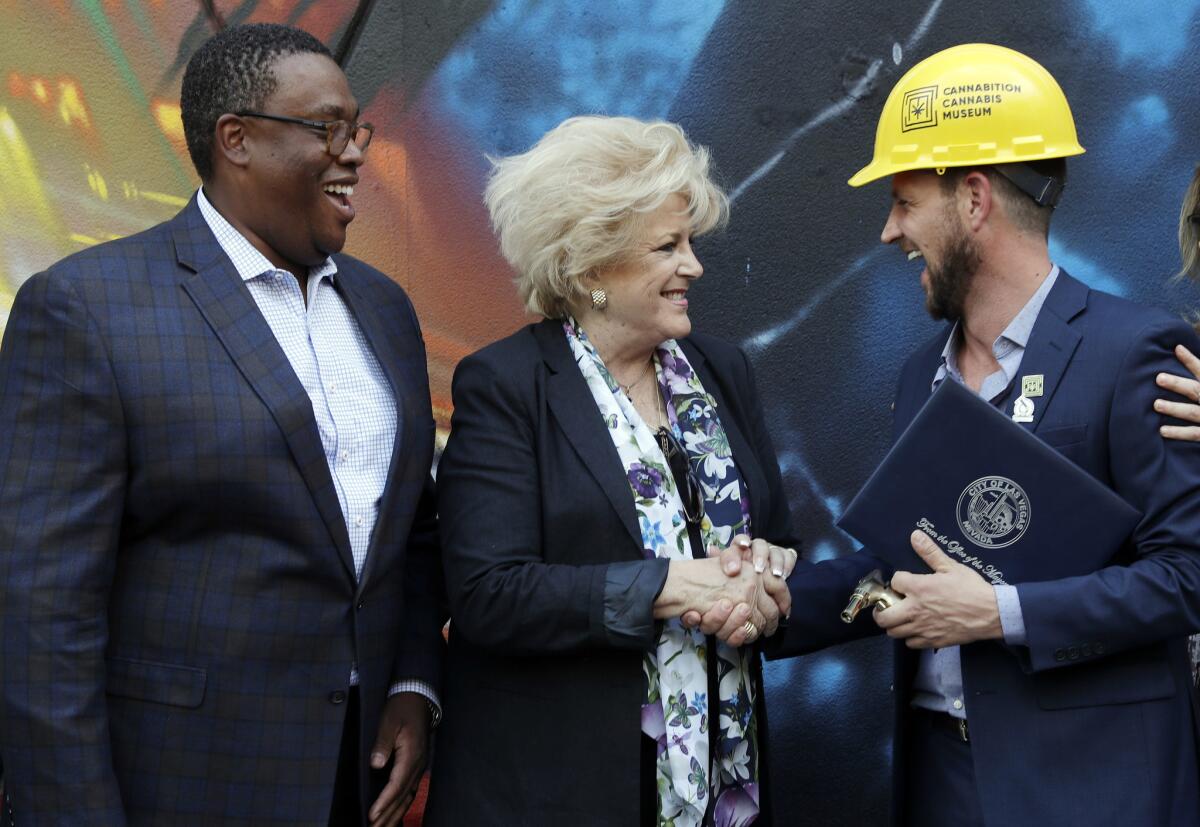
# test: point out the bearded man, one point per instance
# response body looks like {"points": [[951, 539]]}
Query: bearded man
{"points": [[1057, 702]]}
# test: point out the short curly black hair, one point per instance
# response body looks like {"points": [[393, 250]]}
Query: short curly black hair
{"points": [[232, 71]]}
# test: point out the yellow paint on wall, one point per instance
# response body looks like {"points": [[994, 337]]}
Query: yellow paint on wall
{"points": [[164, 198], [7, 294], [132, 192], [21, 184], [96, 182], [170, 120], [70, 105]]}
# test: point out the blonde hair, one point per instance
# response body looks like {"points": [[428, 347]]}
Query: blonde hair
{"points": [[575, 201], [1189, 234]]}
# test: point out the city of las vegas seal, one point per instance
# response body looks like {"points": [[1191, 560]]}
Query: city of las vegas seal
{"points": [[993, 512]]}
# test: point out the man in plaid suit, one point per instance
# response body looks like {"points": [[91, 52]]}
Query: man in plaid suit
{"points": [[220, 591]]}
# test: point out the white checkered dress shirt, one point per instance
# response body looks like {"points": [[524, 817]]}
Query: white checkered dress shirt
{"points": [[351, 398]]}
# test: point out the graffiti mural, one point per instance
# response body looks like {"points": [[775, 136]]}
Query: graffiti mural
{"points": [[785, 95]]}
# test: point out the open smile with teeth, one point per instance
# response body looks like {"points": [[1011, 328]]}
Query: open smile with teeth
{"points": [[677, 296], [915, 254], [340, 194]]}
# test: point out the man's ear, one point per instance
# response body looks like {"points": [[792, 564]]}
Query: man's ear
{"points": [[976, 189], [231, 140]]}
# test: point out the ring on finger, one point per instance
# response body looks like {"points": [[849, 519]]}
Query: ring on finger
{"points": [[750, 629]]}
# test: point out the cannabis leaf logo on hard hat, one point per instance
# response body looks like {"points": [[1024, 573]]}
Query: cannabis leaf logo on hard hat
{"points": [[918, 111]]}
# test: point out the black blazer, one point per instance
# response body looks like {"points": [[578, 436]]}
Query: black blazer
{"points": [[542, 706]]}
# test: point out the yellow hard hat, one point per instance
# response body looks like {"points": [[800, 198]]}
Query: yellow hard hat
{"points": [[971, 105]]}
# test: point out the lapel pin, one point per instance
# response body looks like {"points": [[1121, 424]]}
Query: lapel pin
{"points": [[1023, 409], [1032, 386]]}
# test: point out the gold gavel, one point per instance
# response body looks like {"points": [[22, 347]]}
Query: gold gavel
{"points": [[870, 591]]}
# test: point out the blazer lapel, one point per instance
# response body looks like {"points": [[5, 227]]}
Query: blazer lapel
{"points": [[407, 389], [227, 306], [575, 411], [1052, 342]]}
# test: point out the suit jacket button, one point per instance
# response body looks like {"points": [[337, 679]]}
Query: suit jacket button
{"points": [[360, 606], [337, 696], [1060, 654]]}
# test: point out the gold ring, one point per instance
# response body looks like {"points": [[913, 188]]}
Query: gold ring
{"points": [[750, 629]]}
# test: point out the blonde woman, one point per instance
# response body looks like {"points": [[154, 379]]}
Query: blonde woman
{"points": [[593, 459]]}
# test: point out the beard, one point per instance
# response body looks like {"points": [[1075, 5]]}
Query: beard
{"points": [[950, 280]]}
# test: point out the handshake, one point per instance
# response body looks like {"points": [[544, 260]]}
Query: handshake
{"points": [[738, 594]]}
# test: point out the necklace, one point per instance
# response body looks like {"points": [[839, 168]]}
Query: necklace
{"points": [[628, 389]]}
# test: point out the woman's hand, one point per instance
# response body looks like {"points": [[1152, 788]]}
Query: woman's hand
{"points": [[732, 604], [1188, 388], [774, 596]]}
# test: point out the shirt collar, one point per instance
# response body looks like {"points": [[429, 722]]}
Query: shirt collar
{"points": [[246, 258], [1014, 336]]}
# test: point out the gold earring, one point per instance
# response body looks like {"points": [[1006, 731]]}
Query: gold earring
{"points": [[599, 298]]}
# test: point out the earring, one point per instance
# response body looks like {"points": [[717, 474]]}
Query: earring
{"points": [[599, 298]]}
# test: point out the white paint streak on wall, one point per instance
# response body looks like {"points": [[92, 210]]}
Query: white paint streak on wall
{"points": [[852, 97], [832, 111], [760, 341], [923, 27]]}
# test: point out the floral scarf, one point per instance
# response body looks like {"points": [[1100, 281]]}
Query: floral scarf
{"points": [[694, 762]]}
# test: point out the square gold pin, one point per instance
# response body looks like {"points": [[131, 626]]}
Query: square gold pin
{"points": [[1032, 385]]}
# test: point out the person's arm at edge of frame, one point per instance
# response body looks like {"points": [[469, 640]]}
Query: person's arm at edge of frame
{"points": [[62, 484]]}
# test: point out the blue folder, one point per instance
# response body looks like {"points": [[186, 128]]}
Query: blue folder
{"points": [[991, 494]]}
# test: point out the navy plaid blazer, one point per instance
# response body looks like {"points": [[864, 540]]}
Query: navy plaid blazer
{"points": [[178, 605]]}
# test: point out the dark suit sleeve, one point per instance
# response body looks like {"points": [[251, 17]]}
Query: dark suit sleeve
{"points": [[1157, 596], [422, 649], [503, 594], [62, 482]]}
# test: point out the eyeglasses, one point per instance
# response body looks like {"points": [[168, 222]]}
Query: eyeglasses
{"points": [[338, 134], [690, 492]]}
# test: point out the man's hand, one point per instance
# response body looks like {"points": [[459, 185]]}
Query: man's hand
{"points": [[950, 607], [403, 737]]}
